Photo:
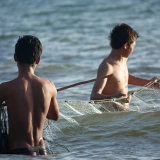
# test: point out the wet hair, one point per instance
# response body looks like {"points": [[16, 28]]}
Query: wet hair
{"points": [[121, 34], [28, 49]]}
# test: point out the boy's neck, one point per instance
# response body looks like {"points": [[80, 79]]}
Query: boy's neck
{"points": [[26, 70], [117, 55]]}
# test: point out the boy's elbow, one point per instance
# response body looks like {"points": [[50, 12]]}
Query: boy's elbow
{"points": [[54, 117], [92, 96]]}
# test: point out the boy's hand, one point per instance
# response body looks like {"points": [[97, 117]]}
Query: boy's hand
{"points": [[129, 98], [123, 98], [3, 104], [156, 84], [155, 78], [120, 95]]}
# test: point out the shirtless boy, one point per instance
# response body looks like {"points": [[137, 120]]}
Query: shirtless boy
{"points": [[30, 99], [122, 40]]}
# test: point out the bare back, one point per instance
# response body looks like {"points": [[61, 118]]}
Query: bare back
{"points": [[29, 98]]}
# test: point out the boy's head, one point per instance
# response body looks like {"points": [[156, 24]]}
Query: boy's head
{"points": [[28, 49], [121, 34]]}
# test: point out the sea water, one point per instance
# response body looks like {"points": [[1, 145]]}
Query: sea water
{"points": [[74, 35]]}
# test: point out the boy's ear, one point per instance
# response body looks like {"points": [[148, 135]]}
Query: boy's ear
{"points": [[125, 46], [38, 60], [15, 57]]}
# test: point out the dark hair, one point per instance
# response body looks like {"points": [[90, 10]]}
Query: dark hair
{"points": [[28, 49], [121, 34]]}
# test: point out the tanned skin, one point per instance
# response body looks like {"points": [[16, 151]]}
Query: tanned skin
{"points": [[116, 85], [30, 99]]}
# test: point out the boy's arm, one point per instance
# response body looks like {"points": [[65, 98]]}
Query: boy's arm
{"points": [[138, 81], [99, 85], [97, 90], [53, 112]]}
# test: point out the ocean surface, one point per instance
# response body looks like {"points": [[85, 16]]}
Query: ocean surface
{"points": [[74, 35]]}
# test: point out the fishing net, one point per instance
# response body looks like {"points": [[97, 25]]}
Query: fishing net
{"points": [[146, 98], [3, 130]]}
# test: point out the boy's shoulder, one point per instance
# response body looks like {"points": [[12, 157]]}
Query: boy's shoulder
{"points": [[44, 80], [7, 83], [106, 67], [4, 87], [107, 62]]}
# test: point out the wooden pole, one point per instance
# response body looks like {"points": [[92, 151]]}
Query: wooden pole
{"points": [[75, 84], [83, 82]]}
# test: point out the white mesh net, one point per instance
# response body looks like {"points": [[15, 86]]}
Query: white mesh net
{"points": [[146, 98]]}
